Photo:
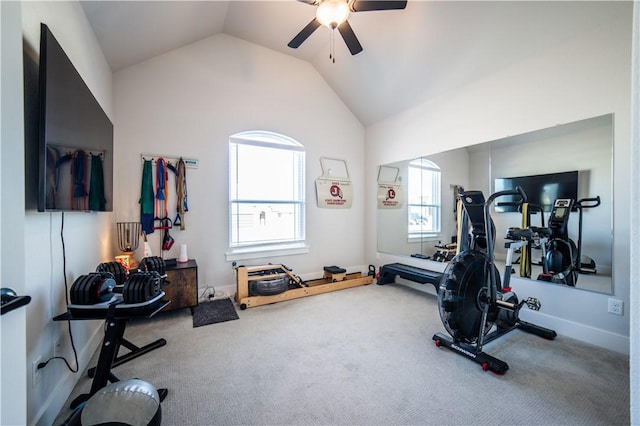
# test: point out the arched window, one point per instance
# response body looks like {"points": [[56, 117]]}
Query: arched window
{"points": [[424, 200], [266, 192]]}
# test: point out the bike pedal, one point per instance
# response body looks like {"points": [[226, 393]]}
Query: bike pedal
{"points": [[533, 304]]}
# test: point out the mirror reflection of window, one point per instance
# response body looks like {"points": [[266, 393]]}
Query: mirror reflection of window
{"points": [[424, 198], [550, 193]]}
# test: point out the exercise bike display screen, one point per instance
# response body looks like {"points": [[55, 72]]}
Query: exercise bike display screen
{"points": [[559, 212]]}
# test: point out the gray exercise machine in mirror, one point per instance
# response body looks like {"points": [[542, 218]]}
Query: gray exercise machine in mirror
{"points": [[421, 220]]}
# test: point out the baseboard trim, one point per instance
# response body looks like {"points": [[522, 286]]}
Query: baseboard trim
{"points": [[584, 333], [52, 406]]}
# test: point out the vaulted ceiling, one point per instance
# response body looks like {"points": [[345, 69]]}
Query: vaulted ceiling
{"points": [[409, 55]]}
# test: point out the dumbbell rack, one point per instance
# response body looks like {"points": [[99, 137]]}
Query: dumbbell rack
{"points": [[116, 314]]}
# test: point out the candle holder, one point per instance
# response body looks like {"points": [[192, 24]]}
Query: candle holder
{"points": [[128, 240]]}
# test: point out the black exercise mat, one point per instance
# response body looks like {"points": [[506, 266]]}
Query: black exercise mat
{"points": [[220, 310]]}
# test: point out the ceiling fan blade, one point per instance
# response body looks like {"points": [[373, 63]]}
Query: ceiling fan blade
{"points": [[367, 5], [304, 34], [350, 38]]}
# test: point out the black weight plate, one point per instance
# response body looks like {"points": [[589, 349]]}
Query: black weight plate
{"points": [[84, 290], [73, 290], [116, 269], [75, 294], [142, 282], [128, 287], [142, 287], [136, 290], [154, 263]]}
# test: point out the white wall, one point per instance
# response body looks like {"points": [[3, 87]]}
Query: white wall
{"points": [[584, 77], [88, 236], [189, 101], [634, 235], [13, 368]]}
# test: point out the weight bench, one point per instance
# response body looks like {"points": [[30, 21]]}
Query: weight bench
{"points": [[388, 274]]}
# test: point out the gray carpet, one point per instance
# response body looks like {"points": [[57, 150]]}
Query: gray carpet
{"points": [[364, 356]]}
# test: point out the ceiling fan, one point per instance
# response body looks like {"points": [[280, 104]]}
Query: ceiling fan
{"points": [[334, 13]]}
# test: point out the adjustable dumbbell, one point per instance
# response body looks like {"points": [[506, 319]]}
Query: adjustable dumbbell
{"points": [[153, 263], [92, 288], [116, 269], [141, 287], [98, 287]]}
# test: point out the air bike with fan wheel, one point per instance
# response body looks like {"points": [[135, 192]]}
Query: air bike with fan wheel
{"points": [[475, 306]]}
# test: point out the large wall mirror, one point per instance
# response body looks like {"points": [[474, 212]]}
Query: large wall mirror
{"points": [[415, 223]]}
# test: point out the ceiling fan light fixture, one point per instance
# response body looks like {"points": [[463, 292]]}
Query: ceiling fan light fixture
{"points": [[332, 13]]}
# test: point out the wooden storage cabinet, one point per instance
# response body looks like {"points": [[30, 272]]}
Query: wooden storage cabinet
{"points": [[181, 285]]}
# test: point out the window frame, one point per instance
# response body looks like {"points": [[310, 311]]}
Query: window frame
{"points": [[239, 250], [425, 165]]}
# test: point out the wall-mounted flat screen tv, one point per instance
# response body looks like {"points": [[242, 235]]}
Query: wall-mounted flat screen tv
{"points": [[75, 154], [541, 190]]}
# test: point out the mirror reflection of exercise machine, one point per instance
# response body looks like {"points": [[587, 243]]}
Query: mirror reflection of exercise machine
{"points": [[563, 259], [475, 306]]}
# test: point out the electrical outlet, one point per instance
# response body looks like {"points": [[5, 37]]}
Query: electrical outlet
{"points": [[616, 306], [36, 372]]}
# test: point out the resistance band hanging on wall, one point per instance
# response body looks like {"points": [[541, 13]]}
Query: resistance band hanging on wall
{"points": [[162, 178], [181, 192], [154, 200], [162, 197], [146, 198]]}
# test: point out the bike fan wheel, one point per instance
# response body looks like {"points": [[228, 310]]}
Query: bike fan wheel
{"points": [[463, 294]]}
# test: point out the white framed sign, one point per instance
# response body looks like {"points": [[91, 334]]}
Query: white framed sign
{"points": [[390, 191], [334, 189], [390, 196]]}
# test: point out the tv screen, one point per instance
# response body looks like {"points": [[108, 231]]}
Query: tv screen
{"points": [[75, 155], [541, 190]]}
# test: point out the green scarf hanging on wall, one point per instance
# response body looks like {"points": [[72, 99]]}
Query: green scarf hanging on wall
{"points": [[146, 198]]}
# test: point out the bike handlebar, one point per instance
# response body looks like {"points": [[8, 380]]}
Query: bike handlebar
{"points": [[591, 202], [518, 191]]}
